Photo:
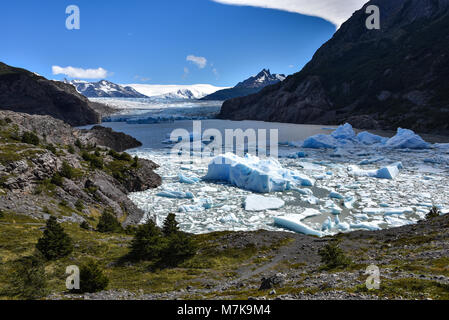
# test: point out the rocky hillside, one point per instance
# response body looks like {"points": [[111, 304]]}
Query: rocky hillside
{"points": [[251, 85], [388, 78], [27, 92], [47, 167]]}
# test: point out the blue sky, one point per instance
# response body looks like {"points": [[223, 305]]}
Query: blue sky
{"points": [[139, 41]]}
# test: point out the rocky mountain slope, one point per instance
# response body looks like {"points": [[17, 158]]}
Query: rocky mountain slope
{"points": [[387, 78], [47, 167], [27, 92], [251, 85], [104, 89]]}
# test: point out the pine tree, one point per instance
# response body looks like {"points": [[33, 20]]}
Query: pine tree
{"points": [[92, 278], [109, 223], [147, 243], [170, 225], [55, 243], [28, 280]]}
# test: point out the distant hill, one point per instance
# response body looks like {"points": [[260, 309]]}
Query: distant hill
{"points": [[374, 79], [27, 92], [249, 86], [104, 89]]}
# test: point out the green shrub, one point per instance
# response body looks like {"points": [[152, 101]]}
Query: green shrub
{"points": [[79, 205], [135, 163], [179, 248], [84, 225], [92, 278], [78, 144], [52, 148], [55, 242], [332, 257], [120, 156], [63, 203], [67, 171], [28, 280], [95, 161], [433, 213], [30, 138], [109, 223], [170, 225], [57, 180], [147, 243], [2, 214], [71, 149]]}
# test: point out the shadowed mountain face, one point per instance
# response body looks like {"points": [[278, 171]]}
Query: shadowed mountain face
{"points": [[27, 92], [396, 76], [251, 85]]}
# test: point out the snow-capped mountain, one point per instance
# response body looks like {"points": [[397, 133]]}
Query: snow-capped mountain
{"points": [[181, 92], [104, 89], [250, 86], [261, 80]]}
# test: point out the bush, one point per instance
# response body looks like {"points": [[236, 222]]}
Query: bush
{"points": [[55, 243], [67, 171], [28, 280], [147, 243], [30, 138], [78, 144], [179, 248], [92, 278], [84, 225], [170, 225], [51, 148], [120, 156], [71, 149], [79, 205], [109, 223], [2, 214], [57, 180], [95, 162], [332, 256], [433, 213]]}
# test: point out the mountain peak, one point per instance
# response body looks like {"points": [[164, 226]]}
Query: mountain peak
{"points": [[262, 79]]}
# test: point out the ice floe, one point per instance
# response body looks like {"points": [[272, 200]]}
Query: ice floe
{"points": [[260, 203], [254, 174]]}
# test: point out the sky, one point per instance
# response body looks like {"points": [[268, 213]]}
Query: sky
{"points": [[219, 42]]}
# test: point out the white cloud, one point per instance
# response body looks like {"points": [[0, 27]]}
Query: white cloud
{"points": [[335, 11], [80, 73], [201, 62]]}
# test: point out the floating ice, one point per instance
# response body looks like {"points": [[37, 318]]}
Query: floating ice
{"points": [[370, 139], [175, 194], [389, 172], [254, 174], [344, 132], [370, 161], [406, 139], [372, 226], [320, 141], [335, 195], [297, 155], [188, 180], [397, 211], [293, 222], [261, 203]]}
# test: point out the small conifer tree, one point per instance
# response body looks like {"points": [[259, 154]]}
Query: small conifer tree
{"points": [[109, 223], [147, 243], [170, 225], [55, 242]]}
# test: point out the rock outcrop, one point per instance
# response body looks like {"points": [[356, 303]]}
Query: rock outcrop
{"points": [[34, 179], [107, 137], [27, 92], [383, 79]]}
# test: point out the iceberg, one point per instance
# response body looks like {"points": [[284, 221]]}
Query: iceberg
{"points": [[261, 203], [345, 132], [370, 139], [320, 141], [188, 180], [406, 139], [389, 172], [175, 194], [253, 174], [293, 222]]}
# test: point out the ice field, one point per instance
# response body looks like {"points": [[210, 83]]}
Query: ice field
{"points": [[328, 183]]}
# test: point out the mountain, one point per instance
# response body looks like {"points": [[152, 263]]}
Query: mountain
{"points": [[249, 86], [387, 78], [27, 92], [104, 89], [195, 91]]}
